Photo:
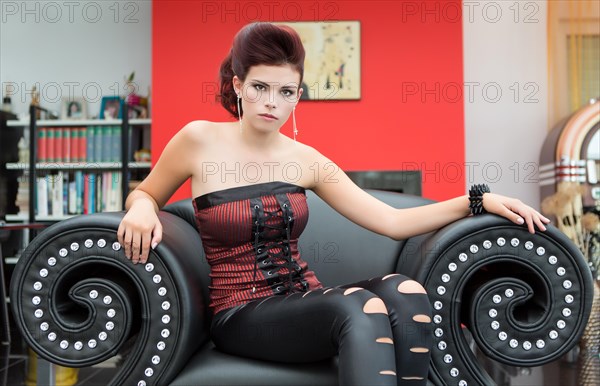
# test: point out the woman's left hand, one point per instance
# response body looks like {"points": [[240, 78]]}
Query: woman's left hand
{"points": [[514, 210]]}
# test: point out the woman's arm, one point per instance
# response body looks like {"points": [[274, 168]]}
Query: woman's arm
{"points": [[365, 210], [140, 228]]}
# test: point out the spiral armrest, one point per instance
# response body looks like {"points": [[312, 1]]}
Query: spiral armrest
{"points": [[524, 298], [78, 301]]}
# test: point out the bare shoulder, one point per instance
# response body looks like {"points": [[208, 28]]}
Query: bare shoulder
{"points": [[315, 165], [198, 131]]}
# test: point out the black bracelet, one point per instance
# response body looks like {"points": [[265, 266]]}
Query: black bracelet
{"points": [[476, 198]]}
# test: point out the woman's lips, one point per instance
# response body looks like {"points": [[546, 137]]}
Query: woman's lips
{"points": [[268, 116]]}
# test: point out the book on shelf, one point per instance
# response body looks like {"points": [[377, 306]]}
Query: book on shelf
{"points": [[78, 193], [79, 144]]}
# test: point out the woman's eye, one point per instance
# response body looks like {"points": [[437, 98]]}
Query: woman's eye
{"points": [[288, 92], [260, 87]]}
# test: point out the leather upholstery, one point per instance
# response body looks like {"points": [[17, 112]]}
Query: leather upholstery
{"points": [[339, 252]]}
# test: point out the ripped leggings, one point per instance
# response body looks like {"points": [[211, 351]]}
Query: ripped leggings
{"points": [[380, 328]]}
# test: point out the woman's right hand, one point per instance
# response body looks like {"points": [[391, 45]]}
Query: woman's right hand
{"points": [[140, 230]]}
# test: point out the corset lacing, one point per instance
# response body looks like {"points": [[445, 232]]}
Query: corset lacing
{"points": [[266, 239]]}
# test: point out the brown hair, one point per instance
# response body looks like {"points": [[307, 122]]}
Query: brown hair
{"points": [[256, 44]]}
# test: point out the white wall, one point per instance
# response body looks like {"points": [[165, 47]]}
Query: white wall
{"points": [[80, 48], [505, 71]]}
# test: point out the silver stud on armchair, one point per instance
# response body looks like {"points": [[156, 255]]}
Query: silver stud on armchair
{"points": [[107, 300], [439, 332], [492, 313], [454, 372], [63, 252], [553, 334], [165, 305], [445, 278], [560, 271], [38, 313], [109, 326], [162, 291], [569, 298], [166, 319], [502, 335], [149, 267], [501, 241], [437, 319], [92, 343], [474, 248], [74, 247], [64, 344], [156, 279], [101, 243], [111, 313], [437, 305], [93, 294], [567, 284], [496, 298], [540, 251], [116, 246], [52, 336], [514, 242], [37, 286], [463, 257], [561, 324], [43, 272], [149, 372], [495, 325], [487, 244], [540, 344], [509, 293], [527, 345], [52, 261], [44, 326], [552, 260], [529, 245], [155, 360], [78, 345], [161, 346], [36, 300], [462, 383], [88, 243], [165, 333], [442, 345], [441, 290], [513, 343], [452, 267], [141, 383], [102, 336], [448, 358]]}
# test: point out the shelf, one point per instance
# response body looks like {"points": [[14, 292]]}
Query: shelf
{"points": [[77, 123], [77, 165], [12, 260], [25, 217]]}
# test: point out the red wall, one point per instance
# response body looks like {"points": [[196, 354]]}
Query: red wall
{"points": [[401, 121]]}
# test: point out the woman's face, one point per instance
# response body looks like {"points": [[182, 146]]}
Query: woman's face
{"points": [[269, 94]]}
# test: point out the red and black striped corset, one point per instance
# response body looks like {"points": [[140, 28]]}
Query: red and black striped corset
{"points": [[250, 237]]}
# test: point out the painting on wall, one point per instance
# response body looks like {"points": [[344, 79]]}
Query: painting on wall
{"points": [[332, 63]]}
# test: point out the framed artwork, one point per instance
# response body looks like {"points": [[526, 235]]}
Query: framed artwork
{"points": [[332, 62], [111, 107], [73, 108]]}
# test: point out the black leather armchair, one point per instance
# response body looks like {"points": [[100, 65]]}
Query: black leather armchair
{"points": [[523, 299]]}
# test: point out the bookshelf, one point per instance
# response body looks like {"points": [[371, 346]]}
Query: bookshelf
{"points": [[76, 166]]}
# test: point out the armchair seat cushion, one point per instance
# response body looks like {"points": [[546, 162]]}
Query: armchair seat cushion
{"points": [[211, 367]]}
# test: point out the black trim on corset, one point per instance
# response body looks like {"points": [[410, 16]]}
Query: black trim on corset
{"points": [[267, 237], [244, 192]]}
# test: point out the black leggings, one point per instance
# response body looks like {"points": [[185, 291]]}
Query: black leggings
{"points": [[380, 328]]}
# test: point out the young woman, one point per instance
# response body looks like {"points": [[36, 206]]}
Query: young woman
{"points": [[249, 183]]}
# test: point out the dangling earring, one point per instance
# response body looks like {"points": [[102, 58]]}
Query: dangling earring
{"points": [[294, 122], [239, 111]]}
